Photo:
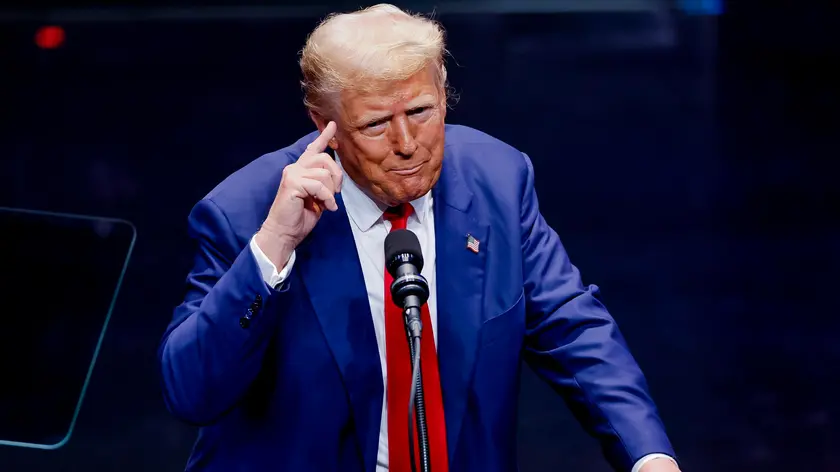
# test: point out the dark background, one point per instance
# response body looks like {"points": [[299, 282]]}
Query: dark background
{"points": [[47, 357], [686, 160]]}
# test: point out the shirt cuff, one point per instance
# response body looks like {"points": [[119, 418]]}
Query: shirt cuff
{"points": [[644, 460], [268, 270]]}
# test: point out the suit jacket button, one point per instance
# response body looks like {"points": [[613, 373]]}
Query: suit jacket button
{"points": [[245, 321], [257, 303]]}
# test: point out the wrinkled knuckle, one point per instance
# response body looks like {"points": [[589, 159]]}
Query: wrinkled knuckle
{"points": [[293, 170]]}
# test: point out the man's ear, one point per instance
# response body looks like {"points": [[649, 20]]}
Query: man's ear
{"points": [[321, 123]]}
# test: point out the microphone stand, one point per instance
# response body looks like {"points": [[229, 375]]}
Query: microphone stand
{"points": [[416, 403]]}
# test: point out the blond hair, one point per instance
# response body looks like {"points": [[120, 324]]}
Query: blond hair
{"points": [[366, 49]]}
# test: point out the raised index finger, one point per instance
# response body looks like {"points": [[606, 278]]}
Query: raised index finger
{"points": [[320, 143]]}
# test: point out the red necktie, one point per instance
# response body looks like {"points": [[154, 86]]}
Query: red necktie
{"points": [[398, 359]]}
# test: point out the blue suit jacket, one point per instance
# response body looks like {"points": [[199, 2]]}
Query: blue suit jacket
{"points": [[290, 380]]}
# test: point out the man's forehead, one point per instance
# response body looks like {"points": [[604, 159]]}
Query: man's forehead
{"points": [[362, 106], [390, 100], [423, 81]]}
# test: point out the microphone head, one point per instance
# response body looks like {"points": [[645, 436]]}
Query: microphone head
{"points": [[402, 246]]}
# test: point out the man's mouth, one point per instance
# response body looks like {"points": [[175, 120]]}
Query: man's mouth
{"points": [[409, 170]]}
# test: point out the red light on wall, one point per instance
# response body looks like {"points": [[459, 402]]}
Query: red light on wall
{"points": [[49, 37]]}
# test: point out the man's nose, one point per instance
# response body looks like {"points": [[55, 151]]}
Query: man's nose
{"points": [[403, 138]]}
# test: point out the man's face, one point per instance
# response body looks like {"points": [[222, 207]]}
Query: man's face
{"points": [[391, 141]]}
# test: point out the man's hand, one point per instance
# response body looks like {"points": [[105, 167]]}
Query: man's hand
{"points": [[660, 464], [307, 187]]}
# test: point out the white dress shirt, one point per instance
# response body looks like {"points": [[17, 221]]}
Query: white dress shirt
{"points": [[369, 232]]}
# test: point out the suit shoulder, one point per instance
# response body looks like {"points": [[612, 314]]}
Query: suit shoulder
{"points": [[245, 196], [460, 135], [259, 177], [257, 174], [479, 153]]}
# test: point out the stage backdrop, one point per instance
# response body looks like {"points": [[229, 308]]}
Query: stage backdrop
{"points": [[680, 178]]}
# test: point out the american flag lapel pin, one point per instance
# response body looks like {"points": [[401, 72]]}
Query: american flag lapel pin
{"points": [[472, 243]]}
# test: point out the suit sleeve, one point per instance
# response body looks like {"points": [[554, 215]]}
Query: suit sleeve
{"points": [[213, 348], [574, 344]]}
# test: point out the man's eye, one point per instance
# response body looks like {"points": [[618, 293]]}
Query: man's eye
{"points": [[374, 124], [417, 111]]}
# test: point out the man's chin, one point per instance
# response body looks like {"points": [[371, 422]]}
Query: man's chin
{"points": [[397, 198], [407, 189], [415, 190]]}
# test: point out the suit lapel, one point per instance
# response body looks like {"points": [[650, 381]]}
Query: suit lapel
{"points": [[332, 274], [460, 276]]}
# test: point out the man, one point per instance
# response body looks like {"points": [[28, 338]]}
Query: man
{"points": [[288, 350]]}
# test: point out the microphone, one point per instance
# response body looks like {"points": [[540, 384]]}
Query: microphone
{"points": [[404, 261]]}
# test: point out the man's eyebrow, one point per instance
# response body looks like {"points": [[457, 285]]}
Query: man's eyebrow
{"points": [[372, 117], [421, 101]]}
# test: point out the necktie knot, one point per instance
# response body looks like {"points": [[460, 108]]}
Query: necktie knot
{"points": [[398, 215]]}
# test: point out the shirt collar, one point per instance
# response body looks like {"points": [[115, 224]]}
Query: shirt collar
{"points": [[364, 211]]}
